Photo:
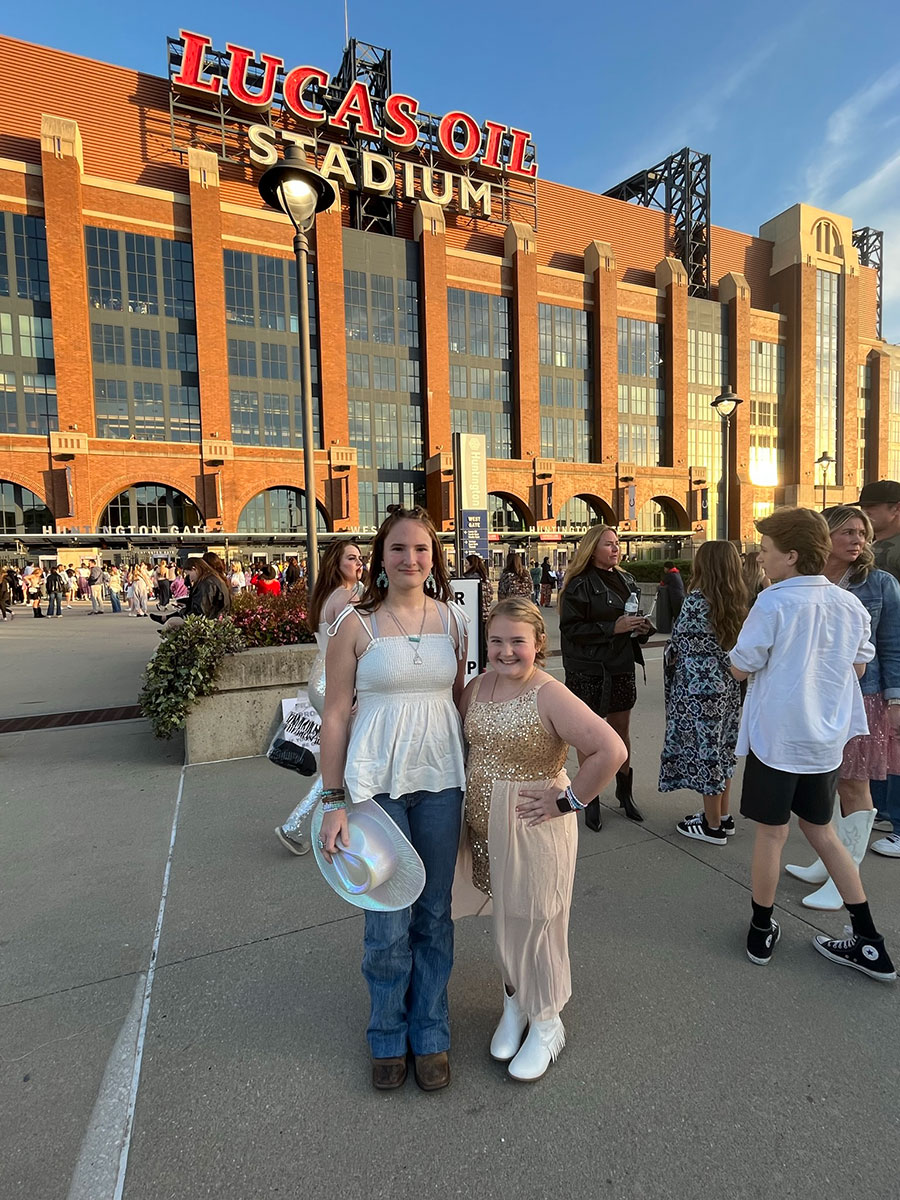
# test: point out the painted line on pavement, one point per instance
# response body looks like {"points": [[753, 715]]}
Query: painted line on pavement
{"points": [[103, 1159]]}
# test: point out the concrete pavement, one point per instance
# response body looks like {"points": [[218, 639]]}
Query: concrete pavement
{"points": [[688, 1071]]}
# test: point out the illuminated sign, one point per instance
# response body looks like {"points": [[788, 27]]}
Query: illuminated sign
{"points": [[260, 83]]}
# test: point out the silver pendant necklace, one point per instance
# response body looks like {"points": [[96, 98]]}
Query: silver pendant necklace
{"points": [[414, 639]]}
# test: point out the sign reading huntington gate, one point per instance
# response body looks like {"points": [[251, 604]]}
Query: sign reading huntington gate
{"points": [[362, 137]]}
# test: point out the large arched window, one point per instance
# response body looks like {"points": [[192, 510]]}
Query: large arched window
{"points": [[584, 510], [278, 510], [22, 511], [148, 505], [505, 516]]}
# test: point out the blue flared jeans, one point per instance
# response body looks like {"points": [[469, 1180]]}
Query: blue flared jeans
{"points": [[408, 955]]}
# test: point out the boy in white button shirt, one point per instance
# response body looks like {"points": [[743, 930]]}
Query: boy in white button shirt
{"points": [[805, 643]]}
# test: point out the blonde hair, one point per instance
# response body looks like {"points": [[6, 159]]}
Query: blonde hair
{"points": [[838, 516], [583, 557], [525, 612], [717, 575]]}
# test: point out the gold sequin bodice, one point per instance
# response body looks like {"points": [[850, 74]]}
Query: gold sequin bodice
{"points": [[506, 740]]}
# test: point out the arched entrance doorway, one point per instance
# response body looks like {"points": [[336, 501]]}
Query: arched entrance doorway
{"points": [[148, 506], [661, 514], [506, 514], [278, 510], [21, 511], [584, 511]]}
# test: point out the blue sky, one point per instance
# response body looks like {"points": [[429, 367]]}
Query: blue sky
{"points": [[800, 102]]}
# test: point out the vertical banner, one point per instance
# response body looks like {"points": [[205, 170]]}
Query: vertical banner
{"points": [[470, 476], [632, 502]]}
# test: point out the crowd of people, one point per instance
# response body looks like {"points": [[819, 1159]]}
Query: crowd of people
{"points": [[789, 658]]}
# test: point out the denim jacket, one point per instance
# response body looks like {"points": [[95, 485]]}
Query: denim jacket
{"points": [[880, 595]]}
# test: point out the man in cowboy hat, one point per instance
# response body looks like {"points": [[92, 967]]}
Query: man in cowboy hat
{"points": [[881, 503]]}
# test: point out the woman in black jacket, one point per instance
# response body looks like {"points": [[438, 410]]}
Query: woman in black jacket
{"points": [[601, 642]]}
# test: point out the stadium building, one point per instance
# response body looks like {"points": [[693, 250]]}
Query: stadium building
{"points": [[149, 359]]}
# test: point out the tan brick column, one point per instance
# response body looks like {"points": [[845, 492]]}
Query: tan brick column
{"points": [[848, 403], [600, 264], [672, 282], [429, 229], [878, 430], [795, 293], [62, 166], [735, 292], [520, 247], [212, 336], [329, 247]]}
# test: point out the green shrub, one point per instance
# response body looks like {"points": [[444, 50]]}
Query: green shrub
{"points": [[272, 620], [183, 669]]}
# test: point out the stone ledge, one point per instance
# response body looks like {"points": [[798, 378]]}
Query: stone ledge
{"points": [[239, 720]]}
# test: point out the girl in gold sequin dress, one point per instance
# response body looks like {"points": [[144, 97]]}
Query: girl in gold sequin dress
{"points": [[519, 723]]}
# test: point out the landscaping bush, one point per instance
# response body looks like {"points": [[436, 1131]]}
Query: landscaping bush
{"points": [[272, 620], [183, 669], [650, 570]]}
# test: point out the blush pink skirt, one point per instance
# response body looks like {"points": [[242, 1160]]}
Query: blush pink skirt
{"points": [[877, 754]]}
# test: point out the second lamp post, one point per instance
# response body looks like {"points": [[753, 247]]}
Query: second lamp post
{"points": [[726, 406]]}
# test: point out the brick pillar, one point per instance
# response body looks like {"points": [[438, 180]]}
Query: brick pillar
{"points": [[519, 245], [429, 229], [600, 264], [212, 338], [735, 292], [879, 423], [795, 293], [62, 165], [672, 282], [333, 363], [848, 454]]}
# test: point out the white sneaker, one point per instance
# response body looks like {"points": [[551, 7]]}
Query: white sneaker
{"points": [[884, 825], [888, 846]]}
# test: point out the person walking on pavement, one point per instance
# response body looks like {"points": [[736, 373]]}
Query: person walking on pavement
{"points": [[6, 611], [35, 590], [113, 580], [95, 583], [536, 574], [163, 584], [601, 631], [548, 579], [56, 589]]}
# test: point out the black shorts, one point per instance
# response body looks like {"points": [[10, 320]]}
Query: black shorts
{"points": [[770, 796]]}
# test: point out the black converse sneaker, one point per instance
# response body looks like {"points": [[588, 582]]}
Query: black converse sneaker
{"points": [[761, 943], [863, 954], [696, 827], [728, 825]]}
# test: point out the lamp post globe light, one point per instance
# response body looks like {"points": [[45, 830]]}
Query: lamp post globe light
{"points": [[825, 461], [726, 406], [295, 188]]}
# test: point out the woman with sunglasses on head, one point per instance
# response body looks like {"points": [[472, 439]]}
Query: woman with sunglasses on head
{"points": [[851, 565], [337, 585], [402, 652]]}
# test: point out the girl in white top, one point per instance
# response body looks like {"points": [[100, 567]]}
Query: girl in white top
{"points": [[337, 585], [402, 652]]}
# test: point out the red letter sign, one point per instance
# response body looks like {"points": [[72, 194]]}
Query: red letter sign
{"points": [[401, 110], [241, 58], [520, 140], [192, 64], [357, 103], [448, 127], [296, 84]]}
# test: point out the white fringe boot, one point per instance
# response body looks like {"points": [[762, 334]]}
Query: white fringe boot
{"points": [[542, 1047], [508, 1035], [854, 833]]}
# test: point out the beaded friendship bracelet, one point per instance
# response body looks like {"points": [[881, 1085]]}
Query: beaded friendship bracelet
{"points": [[569, 802], [333, 805]]}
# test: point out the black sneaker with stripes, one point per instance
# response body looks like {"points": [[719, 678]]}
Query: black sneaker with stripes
{"points": [[761, 943], [862, 954], [696, 827]]}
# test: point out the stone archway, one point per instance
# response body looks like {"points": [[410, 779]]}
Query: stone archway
{"points": [[508, 514], [585, 509], [279, 510], [662, 514], [22, 510]]}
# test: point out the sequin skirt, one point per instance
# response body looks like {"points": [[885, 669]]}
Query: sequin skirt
{"points": [[877, 754]]}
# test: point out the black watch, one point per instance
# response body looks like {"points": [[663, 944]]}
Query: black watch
{"points": [[563, 805]]}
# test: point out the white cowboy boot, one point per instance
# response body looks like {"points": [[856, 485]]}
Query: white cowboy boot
{"points": [[854, 832], [508, 1035], [542, 1047]]}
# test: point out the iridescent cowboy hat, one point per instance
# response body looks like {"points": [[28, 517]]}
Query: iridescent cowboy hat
{"points": [[379, 869]]}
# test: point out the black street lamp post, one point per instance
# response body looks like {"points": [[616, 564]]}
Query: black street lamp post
{"points": [[293, 187], [825, 461], [726, 406]]}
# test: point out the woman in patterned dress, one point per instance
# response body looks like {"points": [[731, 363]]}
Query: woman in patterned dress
{"points": [[703, 700]]}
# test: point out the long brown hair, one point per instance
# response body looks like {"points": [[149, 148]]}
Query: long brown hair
{"points": [[374, 594], [515, 566], [203, 569], [718, 576], [328, 580], [583, 557], [840, 514]]}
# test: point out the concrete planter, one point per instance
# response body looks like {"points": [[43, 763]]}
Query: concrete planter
{"points": [[239, 720]]}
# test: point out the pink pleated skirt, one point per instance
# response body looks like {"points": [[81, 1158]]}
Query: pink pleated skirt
{"points": [[877, 754], [532, 875]]}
